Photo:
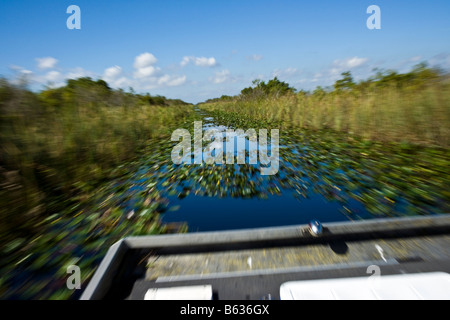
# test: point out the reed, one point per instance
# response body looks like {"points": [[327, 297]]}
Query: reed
{"points": [[58, 146], [61, 151], [411, 114]]}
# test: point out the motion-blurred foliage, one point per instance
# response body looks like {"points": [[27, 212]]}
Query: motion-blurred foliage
{"points": [[84, 165], [55, 139], [412, 107], [56, 147]]}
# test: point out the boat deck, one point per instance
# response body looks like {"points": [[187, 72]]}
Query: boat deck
{"points": [[253, 264]]}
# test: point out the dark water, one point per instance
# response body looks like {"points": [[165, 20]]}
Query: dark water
{"points": [[325, 177], [261, 209], [206, 214]]}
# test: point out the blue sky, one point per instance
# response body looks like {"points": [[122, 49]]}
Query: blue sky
{"points": [[195, 50]]}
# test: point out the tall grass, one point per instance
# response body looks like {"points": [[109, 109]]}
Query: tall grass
{"points": [[60, 146], [411, 114]]}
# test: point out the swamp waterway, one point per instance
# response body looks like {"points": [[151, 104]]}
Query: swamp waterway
{"points": [[322, 175]]}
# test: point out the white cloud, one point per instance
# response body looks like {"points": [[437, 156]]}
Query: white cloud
{"points": [[52, 79], [159, 82], [349, 63], [79, 73], [185, 61], [22, 75], [53, 76], [144, 65], [286, 73], [221, 77], [26, 72], [336, 71], [112, 76], [205, 62], [415, 59], [255, 57], [170, 81], [441, 60], [199, 61], [144, 60], [21, 70], [122, 82], [317, 76], [46, 63], [146, 72], [340, 66], [145, 75], [112, 73]]}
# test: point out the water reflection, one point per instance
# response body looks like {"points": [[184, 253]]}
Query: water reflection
{"points": [[330, 177]]}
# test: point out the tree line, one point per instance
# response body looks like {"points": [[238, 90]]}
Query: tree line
{"points": [[418, 77]]}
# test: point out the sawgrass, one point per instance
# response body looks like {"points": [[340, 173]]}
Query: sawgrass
{"points": [[406, 115]]}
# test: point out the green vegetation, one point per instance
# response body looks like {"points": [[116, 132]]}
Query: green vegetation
{"points": [[273, 88], [260, 90], [58, 149], [385, 179], [53, 141], [408, 108], [84, 165]]}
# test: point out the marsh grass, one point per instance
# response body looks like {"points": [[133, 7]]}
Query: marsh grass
{"points": [[62, 152], [411, 114], [58, 144]]}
